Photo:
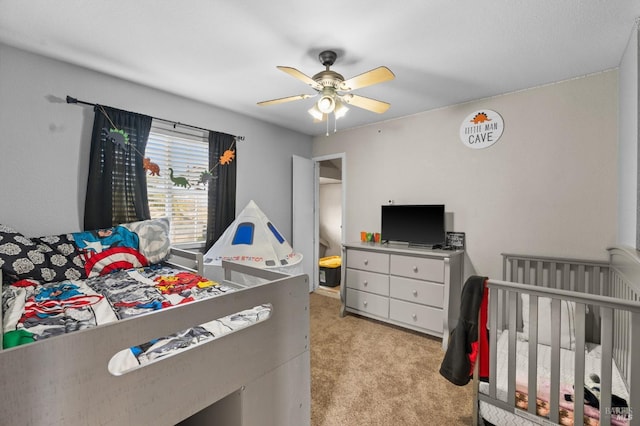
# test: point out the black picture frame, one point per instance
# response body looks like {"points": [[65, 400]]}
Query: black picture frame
{"points": [[456, 240]]}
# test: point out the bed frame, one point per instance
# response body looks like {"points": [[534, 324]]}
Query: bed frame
{"points": [[259, 375], [607, 312]]}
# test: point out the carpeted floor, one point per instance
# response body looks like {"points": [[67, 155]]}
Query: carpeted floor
{"points": [[365, 373]]}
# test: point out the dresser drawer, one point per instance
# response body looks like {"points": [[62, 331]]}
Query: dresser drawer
{"points": [[424, 292], [417, 267], [368, 261], [368, 281], [416, 315], [367, 302]]}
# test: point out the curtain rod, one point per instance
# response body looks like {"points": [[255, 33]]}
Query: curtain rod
{"points": [[71, 100]]}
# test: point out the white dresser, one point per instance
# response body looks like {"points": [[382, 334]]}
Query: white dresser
{"points": [[413, 288]]}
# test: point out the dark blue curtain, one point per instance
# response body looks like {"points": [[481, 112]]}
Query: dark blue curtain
{"points": [[222, 187], [117, 184]]}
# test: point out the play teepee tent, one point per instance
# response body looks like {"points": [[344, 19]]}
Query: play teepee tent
{"points": [[253, 240]]}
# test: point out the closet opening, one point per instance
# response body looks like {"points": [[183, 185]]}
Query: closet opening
{"points": [[330, 226]]}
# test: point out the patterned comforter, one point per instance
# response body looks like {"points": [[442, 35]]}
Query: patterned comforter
{"points": [[35, 310]]}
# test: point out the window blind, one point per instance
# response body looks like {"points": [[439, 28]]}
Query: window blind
{"points": [[186, 151]]}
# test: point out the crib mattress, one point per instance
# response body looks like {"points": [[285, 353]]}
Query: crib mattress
{"points": [[498, 416]]}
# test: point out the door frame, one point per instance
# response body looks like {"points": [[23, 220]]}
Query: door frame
{"points": [[316, 220], [303, 212]]}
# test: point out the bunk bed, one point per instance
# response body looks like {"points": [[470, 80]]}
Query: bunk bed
{"points": [[255, 370], [566, 331]]}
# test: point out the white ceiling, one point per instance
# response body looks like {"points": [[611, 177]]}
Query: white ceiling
{"points": [[225, 53]]}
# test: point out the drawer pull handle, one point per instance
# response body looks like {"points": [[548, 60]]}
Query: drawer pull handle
{"points": [[415, 292], [415, 269], [414, 316], [366, 261], [364, 303], [365, 283]]}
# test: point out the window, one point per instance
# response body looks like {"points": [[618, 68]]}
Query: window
{"points": [[275, 233], [181, 197], [244, 234]]}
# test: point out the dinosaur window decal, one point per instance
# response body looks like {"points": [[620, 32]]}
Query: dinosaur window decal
{"points": [[205, 177], [120, 139]]}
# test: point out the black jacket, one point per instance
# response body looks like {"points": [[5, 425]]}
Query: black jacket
{"points": [[456, 365]]}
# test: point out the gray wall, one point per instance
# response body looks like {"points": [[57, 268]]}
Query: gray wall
{"points": [[44, 144], [330, 217], [548, 186], [629, 139]]}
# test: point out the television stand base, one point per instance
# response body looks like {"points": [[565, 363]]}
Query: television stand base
{"points": [[425, 246]]}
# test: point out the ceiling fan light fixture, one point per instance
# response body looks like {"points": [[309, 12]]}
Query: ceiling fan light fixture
{"points": [[315, 112], [326, 104], [340, 110]]}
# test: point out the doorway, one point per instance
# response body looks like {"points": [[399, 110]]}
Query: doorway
{"points": [[330, 220]]}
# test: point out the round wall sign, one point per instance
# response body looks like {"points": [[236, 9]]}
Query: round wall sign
{"points": [[481, 129]]}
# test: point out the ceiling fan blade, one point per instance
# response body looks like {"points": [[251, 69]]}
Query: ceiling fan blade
{"points": [[366, 103], [283, 100], [301, 76], [374, 76]]}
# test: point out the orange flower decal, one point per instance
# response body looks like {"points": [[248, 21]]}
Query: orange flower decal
{"points": [[480, 117]]}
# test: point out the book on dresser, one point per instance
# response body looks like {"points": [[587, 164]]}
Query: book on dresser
{"points": [[410, 287]]}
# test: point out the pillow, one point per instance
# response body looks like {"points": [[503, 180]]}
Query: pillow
{"points": [[51, 258], [82, 254], [154, 238], [126, 246], [109, 249], [567, 321]]}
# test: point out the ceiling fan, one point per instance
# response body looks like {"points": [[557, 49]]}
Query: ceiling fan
{"points": [[334, 90]]}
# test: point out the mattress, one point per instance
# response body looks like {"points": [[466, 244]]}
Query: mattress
{"points": [[33, 310], [498, 416]]}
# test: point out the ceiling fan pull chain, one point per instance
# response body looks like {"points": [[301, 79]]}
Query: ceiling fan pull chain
{"points": [[327, 134], [335, 123]]}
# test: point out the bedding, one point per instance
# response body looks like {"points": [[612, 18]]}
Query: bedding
{"points": [[592, 369], [63, 283], [34, 311], [42, 310]]}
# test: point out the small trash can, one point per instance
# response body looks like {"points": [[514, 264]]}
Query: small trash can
{"points": [[330, 268]]}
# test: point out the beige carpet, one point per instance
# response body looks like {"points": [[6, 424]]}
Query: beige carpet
{"points": [[364, 372]]}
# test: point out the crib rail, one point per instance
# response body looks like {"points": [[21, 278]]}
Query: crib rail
{"points": [[585, 276], [588, 276]]}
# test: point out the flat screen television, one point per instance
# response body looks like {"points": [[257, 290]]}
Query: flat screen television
{"points": [[421, 225]]}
